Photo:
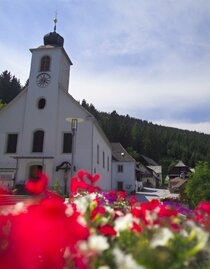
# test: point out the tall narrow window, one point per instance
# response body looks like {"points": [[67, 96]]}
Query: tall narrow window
{"points": [[11, 143], [38, 141], [107, 163], [67, 143], [97, 154], [103, 159], [45, 63]]}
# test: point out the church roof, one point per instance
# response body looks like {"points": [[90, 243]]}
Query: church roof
{"points": [[53, 39]]}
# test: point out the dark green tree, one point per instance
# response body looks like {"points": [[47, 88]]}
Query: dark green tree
{"points": [[162, 144], [9, 87], [198, 185]]}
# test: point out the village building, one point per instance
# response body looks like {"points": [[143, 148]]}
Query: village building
{"points": [[150, 172], [179, 170], [123, 169]]}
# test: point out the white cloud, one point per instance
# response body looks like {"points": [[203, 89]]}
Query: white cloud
{"points": [[136, 57], [17, 62], [115, 92]]}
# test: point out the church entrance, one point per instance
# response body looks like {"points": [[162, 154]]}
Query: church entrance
{"points": [[33, 170]]}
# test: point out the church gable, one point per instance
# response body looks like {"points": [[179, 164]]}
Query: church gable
{"points": [[12, 115]]}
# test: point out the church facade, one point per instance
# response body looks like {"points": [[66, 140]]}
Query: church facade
{"points": [[45, 128]]}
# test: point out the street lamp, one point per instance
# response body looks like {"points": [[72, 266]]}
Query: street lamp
{"points": [[74, 122]]}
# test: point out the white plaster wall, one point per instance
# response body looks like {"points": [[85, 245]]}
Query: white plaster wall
{"points": [[68, 108], [11, 121], [44, 119], [128, 176], [104, 172]]}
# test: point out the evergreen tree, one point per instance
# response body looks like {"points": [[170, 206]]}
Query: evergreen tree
{"points": [[9, 87]]}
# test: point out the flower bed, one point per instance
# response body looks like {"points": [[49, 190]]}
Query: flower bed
{"points": [[96, 230]]}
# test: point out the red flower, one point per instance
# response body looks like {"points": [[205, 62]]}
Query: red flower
{"points": [[38, 186], [166, 212], [136, 228], [204, 207], [39, 237], [133, 200], [107, 230], [79, 183], [99, 210]]}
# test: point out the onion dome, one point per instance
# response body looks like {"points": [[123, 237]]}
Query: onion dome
{"points": [[53, 38]]}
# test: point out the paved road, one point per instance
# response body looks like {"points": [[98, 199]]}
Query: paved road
{"points": [[148, 194]]}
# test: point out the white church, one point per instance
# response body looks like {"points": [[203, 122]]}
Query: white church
{"points": [[45, 128]]}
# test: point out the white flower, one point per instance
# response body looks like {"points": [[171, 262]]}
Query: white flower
{"points": [[123, 223], [66, 201], [82, 204], [199, 234], [161, 238], [81, 220], [109, 209], [98, 243], [124, 261], [104, 267], [69, 210], [92, 196], [19, 208], [95, 243]]}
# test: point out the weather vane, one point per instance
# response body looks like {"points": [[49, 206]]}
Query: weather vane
{"points": [[55, 21]]}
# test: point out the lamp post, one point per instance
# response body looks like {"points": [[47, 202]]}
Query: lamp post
{"points": [[74, 123]]}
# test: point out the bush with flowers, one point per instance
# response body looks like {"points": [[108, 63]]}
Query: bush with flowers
{"points": [[97, 230]]}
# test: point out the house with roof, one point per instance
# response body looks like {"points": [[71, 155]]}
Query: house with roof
{"points": [[178, 175], [150, 172], [176, 184], [123, 169], [179, 170], [45, 128]]}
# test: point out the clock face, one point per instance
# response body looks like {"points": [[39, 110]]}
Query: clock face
{"points": [[42, 80]]}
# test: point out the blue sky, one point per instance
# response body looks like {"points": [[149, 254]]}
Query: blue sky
{"points": [[146, 58]]}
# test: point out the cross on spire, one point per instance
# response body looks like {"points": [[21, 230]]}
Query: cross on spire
{"points": [[55, 21]]}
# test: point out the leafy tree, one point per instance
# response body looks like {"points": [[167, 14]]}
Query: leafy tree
{"points": [[2, 105], [9, 87], [198, 185]]}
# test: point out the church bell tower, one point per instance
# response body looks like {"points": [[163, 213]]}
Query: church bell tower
{"points": [[49, 74]]}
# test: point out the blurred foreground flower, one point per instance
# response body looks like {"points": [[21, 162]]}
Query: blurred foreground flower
{"points": [[98, 230]]}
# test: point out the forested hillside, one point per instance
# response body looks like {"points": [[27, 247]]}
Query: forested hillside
{"points": [[163, 144]]}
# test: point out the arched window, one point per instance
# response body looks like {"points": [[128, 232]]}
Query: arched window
{"points": [[41, 103], [38, 141], [45, 63]]}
